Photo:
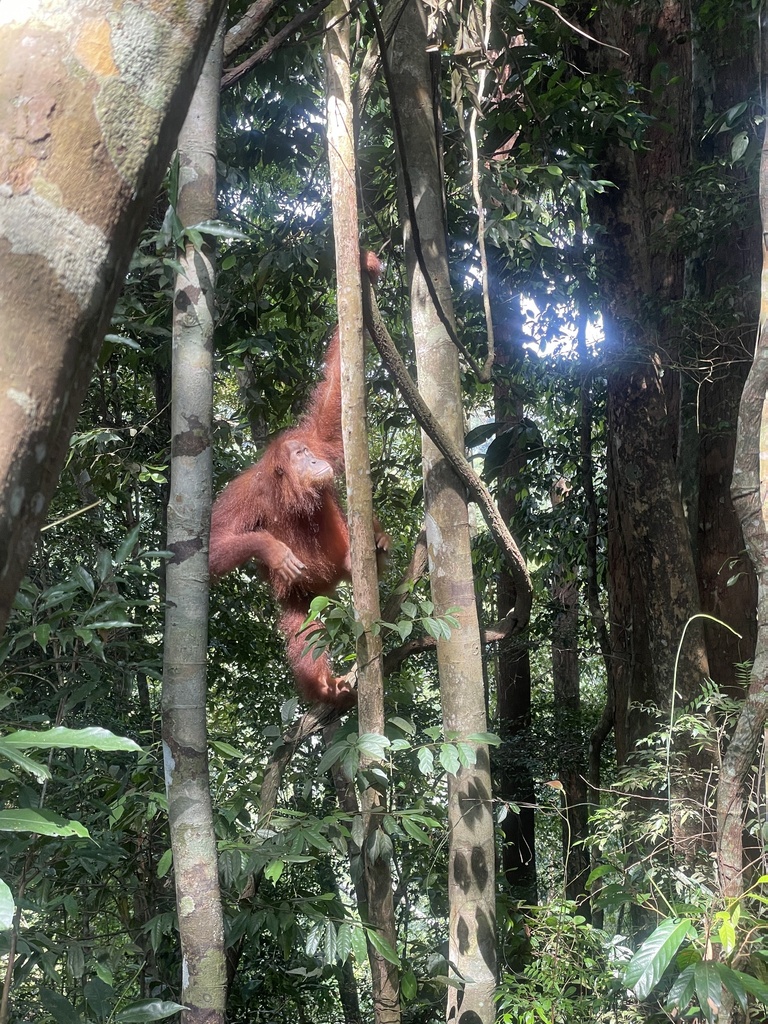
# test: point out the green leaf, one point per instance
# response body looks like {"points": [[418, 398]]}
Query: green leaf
{"points": [[92, 738], [359, 946], [219, 229], [373, 745], [426, 760], [414, 831], [734, 983], [42, 823], [709, 989], [7, 907], [329, 942], [408, 986], [484, 737], [40, 771], [681, 992], [646, 967], [274, 870], [739, 147], [147, 1010], [62, 1011], [382, 947], [756, 988], [449, 758], [164, 864], [127, 545], [343, 941]]}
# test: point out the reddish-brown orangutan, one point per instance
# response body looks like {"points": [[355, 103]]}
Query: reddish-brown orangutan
{"points": [[284, 512]]}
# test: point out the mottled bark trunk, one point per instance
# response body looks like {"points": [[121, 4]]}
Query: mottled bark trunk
{"points": [[472, 918], [185, 745], [377, 908]]}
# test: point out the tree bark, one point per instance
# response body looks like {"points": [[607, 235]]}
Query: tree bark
{"points": [[513, 674], [750, 478], [472, 918], [81, 159], [378, 908], [650, 553], [185, 745]]}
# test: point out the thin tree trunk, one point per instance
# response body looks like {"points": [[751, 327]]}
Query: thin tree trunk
{"points": [[378, 908], [193, 841], [513, 676], [472, 918]]}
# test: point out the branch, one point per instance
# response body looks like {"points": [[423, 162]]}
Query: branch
{"points": [[479, 493], [263, 54]]}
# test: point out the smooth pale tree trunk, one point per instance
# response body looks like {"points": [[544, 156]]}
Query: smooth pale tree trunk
{"points": [[185, 738], [472, 918], [374, 884], [84, 144]]}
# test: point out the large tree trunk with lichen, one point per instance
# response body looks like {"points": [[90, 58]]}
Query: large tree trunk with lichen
{"points": [[472, 919], [80, 164]]}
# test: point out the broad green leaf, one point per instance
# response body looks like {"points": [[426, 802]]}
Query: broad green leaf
{"points": [[414, 831], [449, 758], [484, 737], [127, 545], [343, 941], [62, 1011], [93, 738], [40, 771], [148, 1010], [426, 760], [681, 992], [646, 967], [43, 823], [709, 989], [7, 907], [359, 945], [164, 864], [408, 986], [756, 988], [727, 935], [274, 870], [732, 980], [373, 745], [382, 947], [329, 942]]}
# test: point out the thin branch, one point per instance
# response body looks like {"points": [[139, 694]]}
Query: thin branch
{"points": [[479, 493], [577, 30], [265, 52]]}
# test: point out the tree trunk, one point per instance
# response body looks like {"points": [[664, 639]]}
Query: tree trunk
{"points": [[750, 478], [472, 918], [723, 277], [81, 159], [378, 908], [185, 745], [655, 586], [513, 679]]}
